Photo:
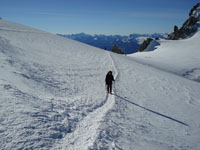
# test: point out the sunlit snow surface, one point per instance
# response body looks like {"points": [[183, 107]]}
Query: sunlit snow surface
{"points": [[181, 57], [52, 95]]}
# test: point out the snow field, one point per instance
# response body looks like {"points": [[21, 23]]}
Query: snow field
{"points": [[48, 85], [180, 57], [154, 110], [52, 94], [87, 129]]}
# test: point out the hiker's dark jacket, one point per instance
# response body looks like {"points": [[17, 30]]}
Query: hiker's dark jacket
{"points": [[109, 79]]}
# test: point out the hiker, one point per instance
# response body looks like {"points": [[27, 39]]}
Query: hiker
{"points": [[108, 80]]}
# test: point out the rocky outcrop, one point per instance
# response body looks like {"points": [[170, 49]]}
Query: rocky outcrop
{"points": [[190, 26], [145, 44]]}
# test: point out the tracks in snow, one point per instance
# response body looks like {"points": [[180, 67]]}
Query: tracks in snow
{"points": [[87, 130]]}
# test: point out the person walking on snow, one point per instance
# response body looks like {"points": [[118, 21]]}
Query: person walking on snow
{"points": [[108, 80]]}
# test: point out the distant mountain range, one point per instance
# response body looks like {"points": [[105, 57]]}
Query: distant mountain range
{"points": [[129, 44]]}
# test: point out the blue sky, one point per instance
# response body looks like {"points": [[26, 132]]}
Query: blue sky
{"points": [[98, 16]]}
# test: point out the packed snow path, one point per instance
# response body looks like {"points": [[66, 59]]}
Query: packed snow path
{"points": [[87, 131]]}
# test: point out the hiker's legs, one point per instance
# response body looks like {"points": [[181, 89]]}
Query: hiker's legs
{"points": [[108, 88]]}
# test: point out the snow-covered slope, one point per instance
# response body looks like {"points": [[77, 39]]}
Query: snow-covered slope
{"points": [[48, 84], [52, 96], [154, 110], [181, 57]]}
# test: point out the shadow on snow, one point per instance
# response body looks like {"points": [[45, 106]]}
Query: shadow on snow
{"points": [[152, 110]]}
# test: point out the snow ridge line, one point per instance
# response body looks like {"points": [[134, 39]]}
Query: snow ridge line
{"points": [[87, 130], [27, 31]]}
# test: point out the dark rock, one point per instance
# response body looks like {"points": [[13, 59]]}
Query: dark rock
{"points": [[194, 8], [145, 44], [188, 28]]}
